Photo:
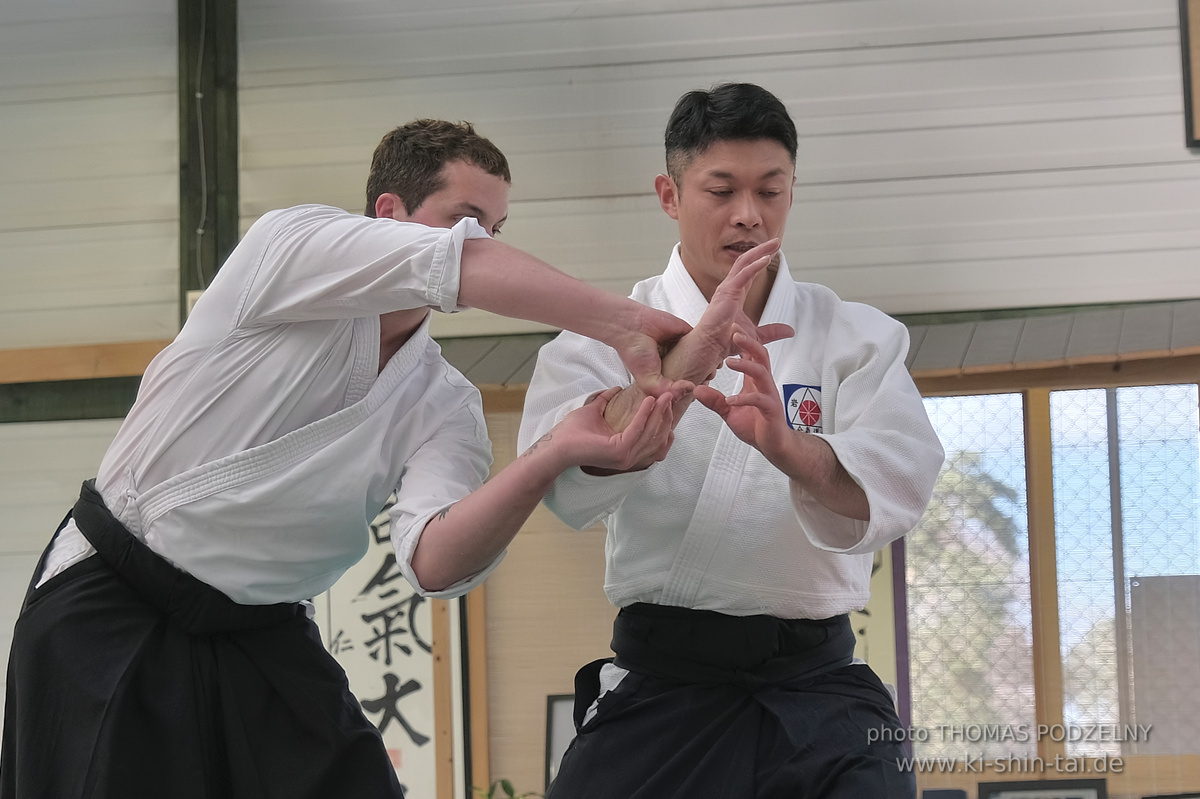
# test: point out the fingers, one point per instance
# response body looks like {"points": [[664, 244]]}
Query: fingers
{"points": [[652, 419], [749, 348], [758, 375], [750, 263], [755, 364], [641, 353], [748, 342], [774, 332], [648, 437], [601, 400], [661, 419], [663, 327], [742, 274], [712, 399], [637, 424], [680, 389], [752, 399]]}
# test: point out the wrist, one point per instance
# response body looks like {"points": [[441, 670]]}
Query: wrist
{"points": [[787, 453], [619, 323], [696, 359], [544, 461], [806, 458]]}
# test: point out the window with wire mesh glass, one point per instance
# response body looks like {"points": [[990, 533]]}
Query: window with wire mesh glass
{"points": [[1128, 562], [967, 585], [1125, 477]]}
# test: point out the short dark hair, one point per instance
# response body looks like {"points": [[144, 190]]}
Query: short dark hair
{"points": [[727, 112], [409, 160]]}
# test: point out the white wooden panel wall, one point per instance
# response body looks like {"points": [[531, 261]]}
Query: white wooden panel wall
{"points": [[41, 467], [953, 155], [89, 188]]}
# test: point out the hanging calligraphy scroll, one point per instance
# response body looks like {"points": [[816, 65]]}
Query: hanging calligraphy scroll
{"points": [[396, 647]]}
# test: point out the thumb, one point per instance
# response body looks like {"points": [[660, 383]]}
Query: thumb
{"points": [[654, 384], [712, 399]]}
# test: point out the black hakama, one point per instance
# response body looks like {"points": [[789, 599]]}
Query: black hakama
{"points": [[723, 707], [130, 678]]}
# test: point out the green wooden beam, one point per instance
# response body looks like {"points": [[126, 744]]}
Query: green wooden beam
{"points": [[208, 141], [61, 400]]}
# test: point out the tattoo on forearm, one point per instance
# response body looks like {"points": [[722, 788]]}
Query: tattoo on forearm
{"points": [[535, 444], [442, 513]]}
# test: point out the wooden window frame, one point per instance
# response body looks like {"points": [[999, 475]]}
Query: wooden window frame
{"points": [[1141, 774]]}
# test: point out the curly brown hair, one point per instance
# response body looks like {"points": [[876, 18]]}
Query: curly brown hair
{"points": [[409, 160]]}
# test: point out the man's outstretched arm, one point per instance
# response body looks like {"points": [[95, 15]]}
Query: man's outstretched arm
{"points": [[504, 280], [470, 534]]}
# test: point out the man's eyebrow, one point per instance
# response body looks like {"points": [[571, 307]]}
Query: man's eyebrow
{"points": [[723, 175], [474, 210]]}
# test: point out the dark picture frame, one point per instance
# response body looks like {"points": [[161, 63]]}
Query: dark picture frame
{"points": [[1189, 38], [560, 730], [1045, 789]]}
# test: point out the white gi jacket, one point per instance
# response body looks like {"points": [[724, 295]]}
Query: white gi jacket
{"points": [[715, 526], [264, 439]]}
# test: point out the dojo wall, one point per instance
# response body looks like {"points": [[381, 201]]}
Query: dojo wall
{"points": [[952, 155], [89, 164]]}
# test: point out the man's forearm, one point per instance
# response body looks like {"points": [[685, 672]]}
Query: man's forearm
{"points": [[811, 462], [505, 280], [467, 536], [499, 278]]}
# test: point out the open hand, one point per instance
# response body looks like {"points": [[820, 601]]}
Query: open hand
{"points": [[755, 414], [700, 352]]}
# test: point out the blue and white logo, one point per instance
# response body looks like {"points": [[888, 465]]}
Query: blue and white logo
{"points": [[802, 404]]}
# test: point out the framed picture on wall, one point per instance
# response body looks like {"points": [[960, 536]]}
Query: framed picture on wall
{"points": [[1189, 37], [560, 730], [1045, 789]]}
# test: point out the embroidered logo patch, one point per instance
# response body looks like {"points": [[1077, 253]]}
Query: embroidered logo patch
{"points": [[802, 404]]}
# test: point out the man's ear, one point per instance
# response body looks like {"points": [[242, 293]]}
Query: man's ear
{"points": [[390, 206], [668, 195]]}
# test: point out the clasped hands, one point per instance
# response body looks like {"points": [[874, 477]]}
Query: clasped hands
{"points": [[643, 415]]}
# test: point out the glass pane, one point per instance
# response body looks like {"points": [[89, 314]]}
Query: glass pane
{"points": [[1159, 479], [967, 564], [1083, 542], [1128, 566]]}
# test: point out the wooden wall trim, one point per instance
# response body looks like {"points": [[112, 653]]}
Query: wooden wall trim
{"points": [[1043, 577], [1172, 369], [503, 399], [1106, 359], [42, 364], [477, 675], [443, 702]]}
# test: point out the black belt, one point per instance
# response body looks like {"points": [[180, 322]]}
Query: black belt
{"points": [[188, 603], [703, 646]]}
